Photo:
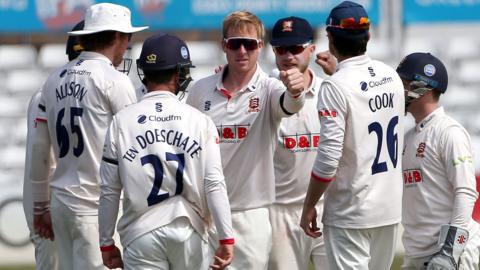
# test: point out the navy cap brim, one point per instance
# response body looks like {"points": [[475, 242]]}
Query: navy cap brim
{"points": [[290, 41]]}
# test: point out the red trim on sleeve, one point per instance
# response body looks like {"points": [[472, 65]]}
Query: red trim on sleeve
{"points": [[41, 120], [228, 241], [107, 248], [321, 179]]}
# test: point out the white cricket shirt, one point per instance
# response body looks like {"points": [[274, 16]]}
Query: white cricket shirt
{"points": [[361, 108], [437, 166], [165, 156], [80, 100], [247, 123], [31, 133], [296, 150]]}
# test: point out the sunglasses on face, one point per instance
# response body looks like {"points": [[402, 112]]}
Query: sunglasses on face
{"points": [[234, 43], [295, 49]]}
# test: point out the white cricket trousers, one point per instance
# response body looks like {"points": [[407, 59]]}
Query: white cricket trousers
{"points": [[77, 238], [253, 239], [291, 247], [46, 253], [469, 259], [360, 249], [176, 246]]}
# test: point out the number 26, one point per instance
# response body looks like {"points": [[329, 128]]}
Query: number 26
{"points": [[392, 144]]}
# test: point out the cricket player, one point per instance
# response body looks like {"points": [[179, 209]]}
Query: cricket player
{"points": [[165, 156], [46, 253], [78, 102], [247, 107], [292, 41], [361, 108], [438, 175]]}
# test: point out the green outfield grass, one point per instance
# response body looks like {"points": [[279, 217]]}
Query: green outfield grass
{"points": [[397, 262]]}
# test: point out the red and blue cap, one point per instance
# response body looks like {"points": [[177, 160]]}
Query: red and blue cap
{"points": [[291, 31], [348, 20]]}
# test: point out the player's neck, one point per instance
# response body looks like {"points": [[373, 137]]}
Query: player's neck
{"points": [[167, 87], [420, 112], [107, 52], [237, 79], [308, 78]]}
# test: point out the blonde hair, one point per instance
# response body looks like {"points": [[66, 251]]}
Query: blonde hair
{"points": [[241, 20]]}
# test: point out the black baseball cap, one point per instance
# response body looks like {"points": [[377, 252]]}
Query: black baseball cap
{"points": [[74, 48], [164, 51], [426, 68], [291, 31], [348, 20]]}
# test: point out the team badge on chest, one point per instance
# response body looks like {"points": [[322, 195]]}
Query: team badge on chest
{"points": [[254, 104], [421, 150]]}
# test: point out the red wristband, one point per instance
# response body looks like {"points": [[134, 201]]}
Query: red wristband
{"points": [[107, 248], [321, 179], [228, 241]]}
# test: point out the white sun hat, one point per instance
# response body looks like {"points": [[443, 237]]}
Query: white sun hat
{"points": [[107, 17]]}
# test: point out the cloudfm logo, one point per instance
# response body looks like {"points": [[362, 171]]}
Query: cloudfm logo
{"points": [[142, 119]]}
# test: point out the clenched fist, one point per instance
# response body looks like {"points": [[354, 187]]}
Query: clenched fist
{"points": [[327, 62], [293, 80]]}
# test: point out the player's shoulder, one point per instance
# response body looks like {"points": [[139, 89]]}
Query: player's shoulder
{"points": [[273, 83], [34, 100], [381, 65], [204, 83], [58, 73], [410, 132], [194, 113], [449, 127]]}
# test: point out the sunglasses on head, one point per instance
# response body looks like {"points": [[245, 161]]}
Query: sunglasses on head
{"points": [[295, 49], [234, 43], [350, 23]]}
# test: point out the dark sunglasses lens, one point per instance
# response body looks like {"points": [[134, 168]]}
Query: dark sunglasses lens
{"points": [[292, 49], [281, 50], [248, 44], [296, 49], [233, 44]]}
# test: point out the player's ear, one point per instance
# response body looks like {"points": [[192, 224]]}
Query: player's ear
{"points": [[118, 36], [224, 45]]}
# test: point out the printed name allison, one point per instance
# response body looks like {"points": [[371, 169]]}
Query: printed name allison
{"points": [[71, 89], [171, 137]]}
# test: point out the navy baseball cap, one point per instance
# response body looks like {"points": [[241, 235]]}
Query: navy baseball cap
{"points": [[426, 68], [291, 31], [164, 51], [349, 20], [74, 48]]}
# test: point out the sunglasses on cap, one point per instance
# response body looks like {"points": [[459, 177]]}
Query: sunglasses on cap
{"points": [[234, 43], [351, 24], [295, 49]]}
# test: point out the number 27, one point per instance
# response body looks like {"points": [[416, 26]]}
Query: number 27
{"points": [[154, 197]]}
